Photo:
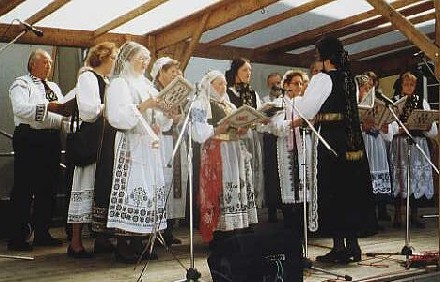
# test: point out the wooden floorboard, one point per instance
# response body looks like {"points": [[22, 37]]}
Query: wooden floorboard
{"points": [[52, 264]]}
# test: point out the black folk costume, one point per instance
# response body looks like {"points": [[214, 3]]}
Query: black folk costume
{"points": [[242, 94], [37, 146], [345, 200]]}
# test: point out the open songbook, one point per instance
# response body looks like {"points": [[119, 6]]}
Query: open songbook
{"points": [[421, 119], [270, 109], [378, 112], [175, 94], [243, 117]]}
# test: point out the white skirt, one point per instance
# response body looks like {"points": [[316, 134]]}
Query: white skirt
{"points": [[81, 198], [378, 161], [421, 172]]}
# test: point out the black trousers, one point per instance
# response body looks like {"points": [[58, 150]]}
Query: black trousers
{"points": [[36, 175]]}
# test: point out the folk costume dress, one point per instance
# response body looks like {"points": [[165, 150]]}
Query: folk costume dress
{"points": [[226, 193], [239, 95], [176, 176], [421, 171], [290, 160], [90, 91], [137, 197], [344, 185], [377, 155]]}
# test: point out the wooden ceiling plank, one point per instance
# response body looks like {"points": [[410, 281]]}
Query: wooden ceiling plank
{"points": [[379, 31], [385, 48], [399, 21], [269, 21], [221, 13], [144, 8], [49, 9], [309, 37], [195, 39], [8, 5]]}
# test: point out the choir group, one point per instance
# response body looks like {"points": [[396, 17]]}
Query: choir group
{"points": [[129, 193]]}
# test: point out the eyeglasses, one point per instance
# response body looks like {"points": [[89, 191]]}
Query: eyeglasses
{"points": [[142, 59], [296, 83]]}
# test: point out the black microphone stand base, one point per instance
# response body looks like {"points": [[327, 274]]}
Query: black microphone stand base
{"points": [[406, 251], [192, 274], [308, 264]]}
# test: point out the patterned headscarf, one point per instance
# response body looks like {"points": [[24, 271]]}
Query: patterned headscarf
{"points": [[207, 92], [127, 51]]}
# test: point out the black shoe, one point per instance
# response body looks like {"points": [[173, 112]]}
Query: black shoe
{"points": [[20, 246], [103, 247], [355, 253], [172, 241], [128, 259], [78, 255], [47, 241], [335, 256], [152, 256]]}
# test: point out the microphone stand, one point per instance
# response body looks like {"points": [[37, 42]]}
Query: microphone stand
{"points": [[307, 263], [407, 249], [192, 274]]}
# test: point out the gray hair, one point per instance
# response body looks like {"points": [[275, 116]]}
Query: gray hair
{"points": [[33, 56]]}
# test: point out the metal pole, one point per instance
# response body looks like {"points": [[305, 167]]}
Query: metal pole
{"points": [[190, 180], [304, 166]]}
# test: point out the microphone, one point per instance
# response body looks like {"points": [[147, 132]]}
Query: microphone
{"points": [[37, 32], [420, 53], [277, 91]]}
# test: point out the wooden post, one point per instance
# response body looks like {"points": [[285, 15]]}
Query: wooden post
{"points": [[404, 25], [437, 74], [151, 39], [195, 38]]}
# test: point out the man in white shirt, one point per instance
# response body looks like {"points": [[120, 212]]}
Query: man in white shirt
{"points": [[37, 146]]}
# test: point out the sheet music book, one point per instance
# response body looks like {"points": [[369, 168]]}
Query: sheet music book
{"points": [[243, 117], [422, 119], [379, 112], [270, 109], [175, 94]]}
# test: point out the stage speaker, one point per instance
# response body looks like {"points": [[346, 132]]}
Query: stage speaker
{"points": [[264, 255]]}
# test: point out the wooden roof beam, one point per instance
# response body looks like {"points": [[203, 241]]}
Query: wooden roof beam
{"points": [[144, 8], [65, 37], [221, 13], [379, 31], [223, 52], [372, 33], [342, 27], [49, 9], [195, 39], [414, 35], [8, 5], [269, 21], [386, 48]]}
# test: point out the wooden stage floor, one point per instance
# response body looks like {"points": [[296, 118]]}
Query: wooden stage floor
{"points": [[52, 264]]}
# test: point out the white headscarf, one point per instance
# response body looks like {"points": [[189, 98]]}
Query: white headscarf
{"points": [[127, 51], [207, 92], [158, 66]]}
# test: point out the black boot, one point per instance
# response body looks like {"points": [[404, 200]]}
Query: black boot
{"points": [[353, 248]]}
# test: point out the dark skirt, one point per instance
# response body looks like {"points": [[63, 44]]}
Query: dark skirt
{"points": [[345, 198], [103, 180]]}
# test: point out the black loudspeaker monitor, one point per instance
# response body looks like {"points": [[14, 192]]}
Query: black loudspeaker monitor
{"points": [[273, 254]]}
